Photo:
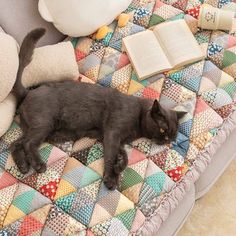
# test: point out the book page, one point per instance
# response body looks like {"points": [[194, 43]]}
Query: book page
{"points": [[179, 42], [146, 54]]}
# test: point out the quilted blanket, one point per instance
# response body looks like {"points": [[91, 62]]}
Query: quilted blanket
{"points": [[70, 197]]}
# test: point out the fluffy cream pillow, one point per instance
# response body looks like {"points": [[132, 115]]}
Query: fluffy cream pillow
{"points": [[51, 63], [9, 63], [7, 111], [81, 17]]}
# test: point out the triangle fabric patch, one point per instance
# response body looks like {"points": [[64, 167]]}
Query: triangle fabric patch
{"points": [[121, 32], [174, 94], [120, 79], [47, 182], [7, 196], [26, 200], [6, 179], [31, 224], [190, 77], [155, 183], [90, 65], [141, 15], [119, 225], [112, 202], [80, 204], [82, 47], [205, 119], [112, 61], [60, 223], [75, 176]]}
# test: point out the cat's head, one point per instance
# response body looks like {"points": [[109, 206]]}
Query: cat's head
{"points": [[162, 124]]}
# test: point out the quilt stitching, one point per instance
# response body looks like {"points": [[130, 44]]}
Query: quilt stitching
{"points": [[70, 198]]}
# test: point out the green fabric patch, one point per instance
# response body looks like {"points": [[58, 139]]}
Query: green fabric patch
{"points": [[156, 181], [176, 76], [107, 39], [45, 152], [230, 89], [66, 202], [23, 201], [74, 42], [14, 125], [154, 20], [89, 177], [228, 59], [95, 153], [127, 218], [177, 17], [130, 178]]}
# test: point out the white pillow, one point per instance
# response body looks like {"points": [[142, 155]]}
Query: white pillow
{"points": [[9, 62], [51, 63], [7, 111], [81, 17]]}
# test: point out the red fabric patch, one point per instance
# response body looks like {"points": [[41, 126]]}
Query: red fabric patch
{"points": [[160, 158], [194, 12], [49, 190], [29, 225], [150, 94], [7, 180], [176, 173], [225, 111], [89, 233], [180, 4], [123, 61], [79, 55], [136, 156]]}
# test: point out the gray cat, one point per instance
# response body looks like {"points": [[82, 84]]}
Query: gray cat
{"points": [[70, 110]]}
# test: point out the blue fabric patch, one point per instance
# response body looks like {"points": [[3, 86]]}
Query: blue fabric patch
{"points": [[181, 144]]}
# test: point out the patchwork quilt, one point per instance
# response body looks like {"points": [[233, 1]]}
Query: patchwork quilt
{"points": [[70, 197]]}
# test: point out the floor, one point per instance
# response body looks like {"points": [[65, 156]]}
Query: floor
{"points": [[215, 213]]}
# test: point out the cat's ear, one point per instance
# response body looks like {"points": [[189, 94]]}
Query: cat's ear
{"points": [[156, 109], [181, 114]]}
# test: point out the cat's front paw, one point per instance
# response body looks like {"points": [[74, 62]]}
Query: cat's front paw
{"points": [[121, 164], [39, 166], [111, 182]]}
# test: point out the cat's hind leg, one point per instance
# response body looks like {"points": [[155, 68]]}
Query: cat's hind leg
{"points": [[25, 150], [34, 137], [19, 156], [18, 151]]}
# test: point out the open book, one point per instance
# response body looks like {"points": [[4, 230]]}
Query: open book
{"points": [[168, 46]]}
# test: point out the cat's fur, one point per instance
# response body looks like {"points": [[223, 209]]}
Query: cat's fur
{"points": [[72, 110]]}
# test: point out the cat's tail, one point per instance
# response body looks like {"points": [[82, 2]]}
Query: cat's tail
{"points": [[25, 55]]}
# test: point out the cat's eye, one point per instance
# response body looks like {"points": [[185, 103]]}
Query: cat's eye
{"points": [[162, 130]]}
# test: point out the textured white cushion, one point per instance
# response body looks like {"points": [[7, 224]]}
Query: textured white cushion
{"points": [[51, 63], [9, 63], [81, 17], [7, 112]]}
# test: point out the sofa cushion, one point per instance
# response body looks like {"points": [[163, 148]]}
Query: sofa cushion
{"points": [[7, 111], [8, 64], [51, 63], [179, 215], [17, 18], [217, 166]]}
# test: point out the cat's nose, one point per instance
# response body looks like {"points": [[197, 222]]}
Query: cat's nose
{"points": [[166, 138]]}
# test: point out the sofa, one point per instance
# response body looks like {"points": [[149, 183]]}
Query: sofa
{"points": [[17, 17]]}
